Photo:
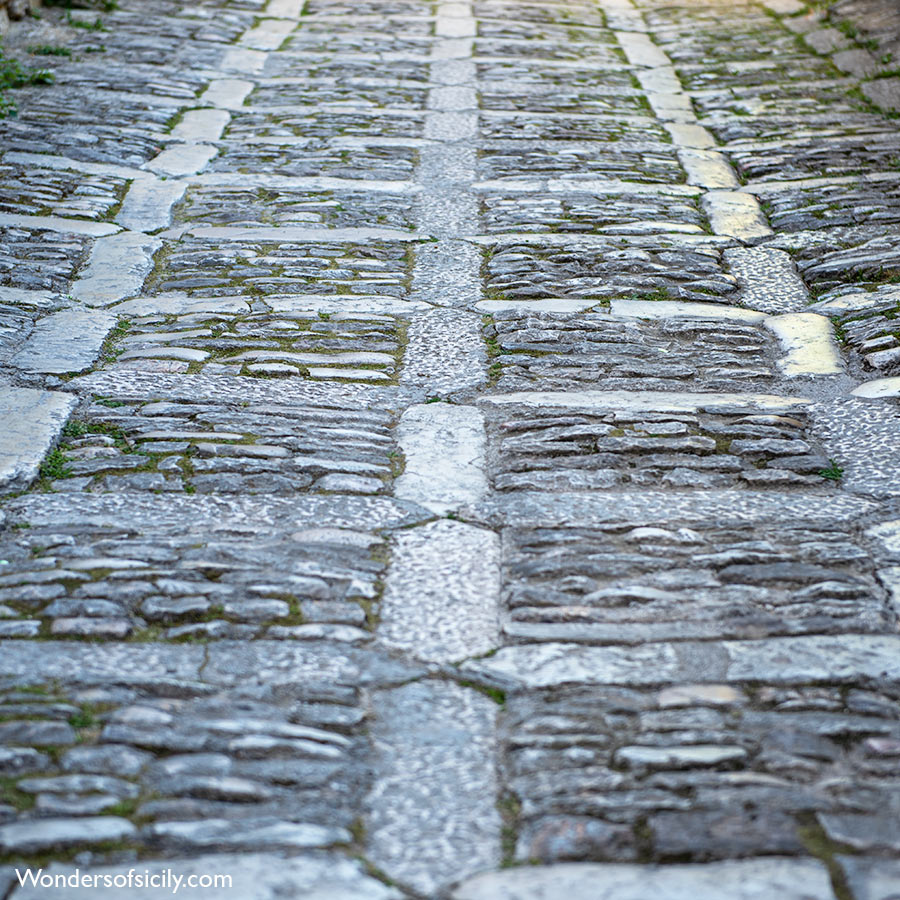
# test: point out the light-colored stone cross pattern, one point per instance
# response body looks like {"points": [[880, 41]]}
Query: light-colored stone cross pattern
{"points": [[450, 449]]}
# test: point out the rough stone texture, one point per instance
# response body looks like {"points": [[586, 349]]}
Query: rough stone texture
{"points": [[66, 341], [745, 880], [435, 776], [33, 420], [443, 446], [467, 483], [441, 600]]}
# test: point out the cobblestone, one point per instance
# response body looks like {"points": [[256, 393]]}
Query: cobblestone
{"points": [[449, 448]]}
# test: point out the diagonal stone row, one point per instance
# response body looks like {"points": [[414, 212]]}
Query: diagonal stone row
{"points": [[451, 453]]}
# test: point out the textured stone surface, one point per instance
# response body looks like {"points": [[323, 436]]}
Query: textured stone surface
{"points": [[469, 496], [441, 601], [433, 817], [33, 421], [798, 880]]}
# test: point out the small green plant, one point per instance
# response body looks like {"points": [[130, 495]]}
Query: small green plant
{"points": [[96, 25], [54, 465], [49, 50], [833, 473], [14, 75]]}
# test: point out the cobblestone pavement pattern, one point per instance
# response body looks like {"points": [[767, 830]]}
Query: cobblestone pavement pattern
{"points": [[451, 449]]}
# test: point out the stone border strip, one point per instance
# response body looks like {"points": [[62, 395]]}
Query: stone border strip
{"points": [[784, 878], [444, 446], [432, 815], [790, 660], [442, 599], [731, 212]]}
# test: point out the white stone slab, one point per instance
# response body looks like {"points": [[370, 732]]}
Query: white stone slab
{"points": [[243, 60], [872, 879], [56, 223], [148, 204], [444, 446], [640, 50], [707, 168], [433, 808], [797, 660], [758, 879], [227, 93], [66, 341], [809, 342], [256, 876], [200, 125], [676, 309], [48, 161], [672, 107], [292, 233], [551, 304], [645, 401], [661, 79], [878, 388], [182, 159], [735, 214], [117, 268], [269, 34], [179, 304], [442, 599], [33, 299], [694, 136], [38, 835], [32, 420], [285, 9]]}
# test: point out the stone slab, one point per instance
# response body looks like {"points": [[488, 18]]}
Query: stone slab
{"points": [[201, 125], [646, 401], [56, 223], [227, 93], [878, 388], [735, 214], [800, 660], [445, 352], [86, 663], [442, 597], [433, 817], [444, 448], [117, 268], [213, 513], [182, 159], [256, 876], [707, 168], [32, 421], [148, 203], [37, 836], [66, 341], [761, 879], [883, 92], [871, 879], [674, 309], [808, 339]]}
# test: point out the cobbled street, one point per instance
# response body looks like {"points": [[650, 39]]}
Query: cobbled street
{"points": [[450, 449]]}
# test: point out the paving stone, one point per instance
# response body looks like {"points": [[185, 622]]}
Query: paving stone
{"points": [[782, 877], [442, 592], [47, 834], [34, 420], [443, 446], [870, 879], [432, 789], [65, 341], [117, 268]]}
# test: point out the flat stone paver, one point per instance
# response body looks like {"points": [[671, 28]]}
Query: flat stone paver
{"points": [[449, 449]]}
